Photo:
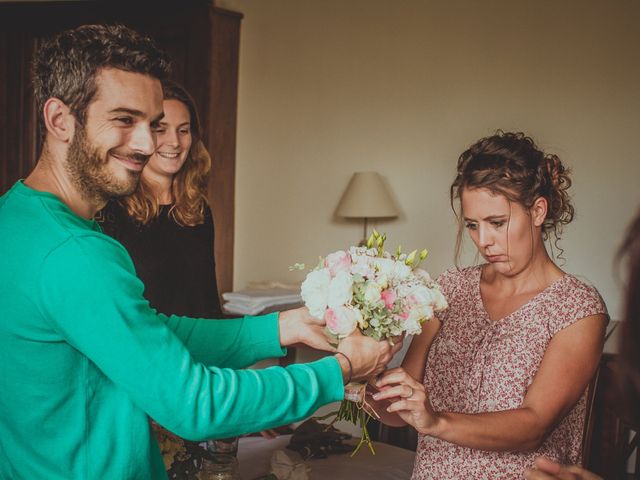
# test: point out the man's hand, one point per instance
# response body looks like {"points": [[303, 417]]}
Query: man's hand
{"points": [[299, 327], [368, 356]]}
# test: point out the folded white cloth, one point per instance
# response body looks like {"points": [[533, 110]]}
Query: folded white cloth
{"points": [[251, 301]]}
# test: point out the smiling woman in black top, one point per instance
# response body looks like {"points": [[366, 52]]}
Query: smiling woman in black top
{"points": [[167, 227]]}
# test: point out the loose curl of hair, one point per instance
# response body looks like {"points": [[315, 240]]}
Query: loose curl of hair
{"points": [[629, 379], [65, 66], [189, 185], [510, 164]]}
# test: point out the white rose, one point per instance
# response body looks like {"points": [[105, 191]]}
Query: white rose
{"points": [[339, 261], [384, 266], [382, 280], [362, 266], [403, 290], [440, 300], [340, 290], [342, 320], [422, 275], [372, 292], [315, 291], [394, 270], [401, 271], [425, 312], [421, 295], [412, 325], [417, 315]]}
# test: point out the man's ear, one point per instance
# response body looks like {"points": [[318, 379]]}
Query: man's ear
{"points": [[59, 120], [539, 211]]}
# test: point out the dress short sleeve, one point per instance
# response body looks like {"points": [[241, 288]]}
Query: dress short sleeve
{"points": [[574, 301], [455, 285]]}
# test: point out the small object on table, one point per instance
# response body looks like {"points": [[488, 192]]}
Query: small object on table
{"points": [[227, 446], [313, 439], [284, 466], [389, 463], [219, 467], [182, 459]]}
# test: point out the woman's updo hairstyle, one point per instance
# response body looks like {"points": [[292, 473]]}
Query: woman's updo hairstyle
{"points": [[511, 164]]}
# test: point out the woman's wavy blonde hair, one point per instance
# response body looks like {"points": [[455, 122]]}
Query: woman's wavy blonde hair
{"points": [[189, 187]]}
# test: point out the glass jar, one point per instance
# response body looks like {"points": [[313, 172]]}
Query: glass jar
{"points": [[219, 466], [228, 446]]}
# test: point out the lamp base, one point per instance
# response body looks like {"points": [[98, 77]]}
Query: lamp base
{"points": [[364, 239]]}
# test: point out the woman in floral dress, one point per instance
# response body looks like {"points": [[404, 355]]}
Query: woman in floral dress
{"points": [[505, 368]]}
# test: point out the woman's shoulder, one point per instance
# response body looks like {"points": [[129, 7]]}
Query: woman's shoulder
{"points": [[572, 287], [573, 298], [457, 279], [455, 275]]}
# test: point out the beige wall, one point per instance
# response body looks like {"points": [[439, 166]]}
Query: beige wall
{"points": [[335, 86]]}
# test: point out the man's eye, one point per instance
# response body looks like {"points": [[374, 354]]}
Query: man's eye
{"points": [[498, 224], [125, 120]]}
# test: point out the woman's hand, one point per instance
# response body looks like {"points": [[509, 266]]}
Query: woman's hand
{"points": [[408, 398], [546, 469]]}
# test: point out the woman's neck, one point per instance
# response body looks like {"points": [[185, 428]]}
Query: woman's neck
{"points": [[160, 186]]}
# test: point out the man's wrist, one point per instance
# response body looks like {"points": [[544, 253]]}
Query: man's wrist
{"points": [[285, 329], [345, 366]]}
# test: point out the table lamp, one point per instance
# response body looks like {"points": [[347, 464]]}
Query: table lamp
{"points": [[366, 196]]}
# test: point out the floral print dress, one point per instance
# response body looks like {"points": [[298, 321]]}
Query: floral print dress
{"points": [[478, 365]]}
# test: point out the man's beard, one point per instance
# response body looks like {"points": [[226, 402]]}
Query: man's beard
{"points": [[90, 175]]}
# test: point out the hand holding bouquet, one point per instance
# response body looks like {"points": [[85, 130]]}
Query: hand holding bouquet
{"points": [[384, 296]]}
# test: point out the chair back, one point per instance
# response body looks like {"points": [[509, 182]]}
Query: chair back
{"points": [[611, 437]]}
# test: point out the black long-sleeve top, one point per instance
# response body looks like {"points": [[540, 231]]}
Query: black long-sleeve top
{"points": [[175, 263]]}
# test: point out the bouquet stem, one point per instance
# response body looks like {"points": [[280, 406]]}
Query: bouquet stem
{"points": [[355, 409]]}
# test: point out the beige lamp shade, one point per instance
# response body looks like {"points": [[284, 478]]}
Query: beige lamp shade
{"points": [[366, 196]]}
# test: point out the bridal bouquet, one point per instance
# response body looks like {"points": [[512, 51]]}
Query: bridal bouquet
{"points": [[382, 295]]}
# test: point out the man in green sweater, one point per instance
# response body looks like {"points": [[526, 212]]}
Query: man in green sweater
{"points": [[84, 360]]}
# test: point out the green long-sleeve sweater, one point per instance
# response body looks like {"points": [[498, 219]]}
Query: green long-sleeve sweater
{"points": [[84, 359]]}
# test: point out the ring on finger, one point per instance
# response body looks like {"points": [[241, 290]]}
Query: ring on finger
{"points": [[411, 395]]}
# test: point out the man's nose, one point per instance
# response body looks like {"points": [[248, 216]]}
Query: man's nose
{"points": [[143, 140]]}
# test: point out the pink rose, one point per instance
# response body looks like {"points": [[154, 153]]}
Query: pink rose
{"points": [[339, 261], [388, 297], [342, 321]]}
